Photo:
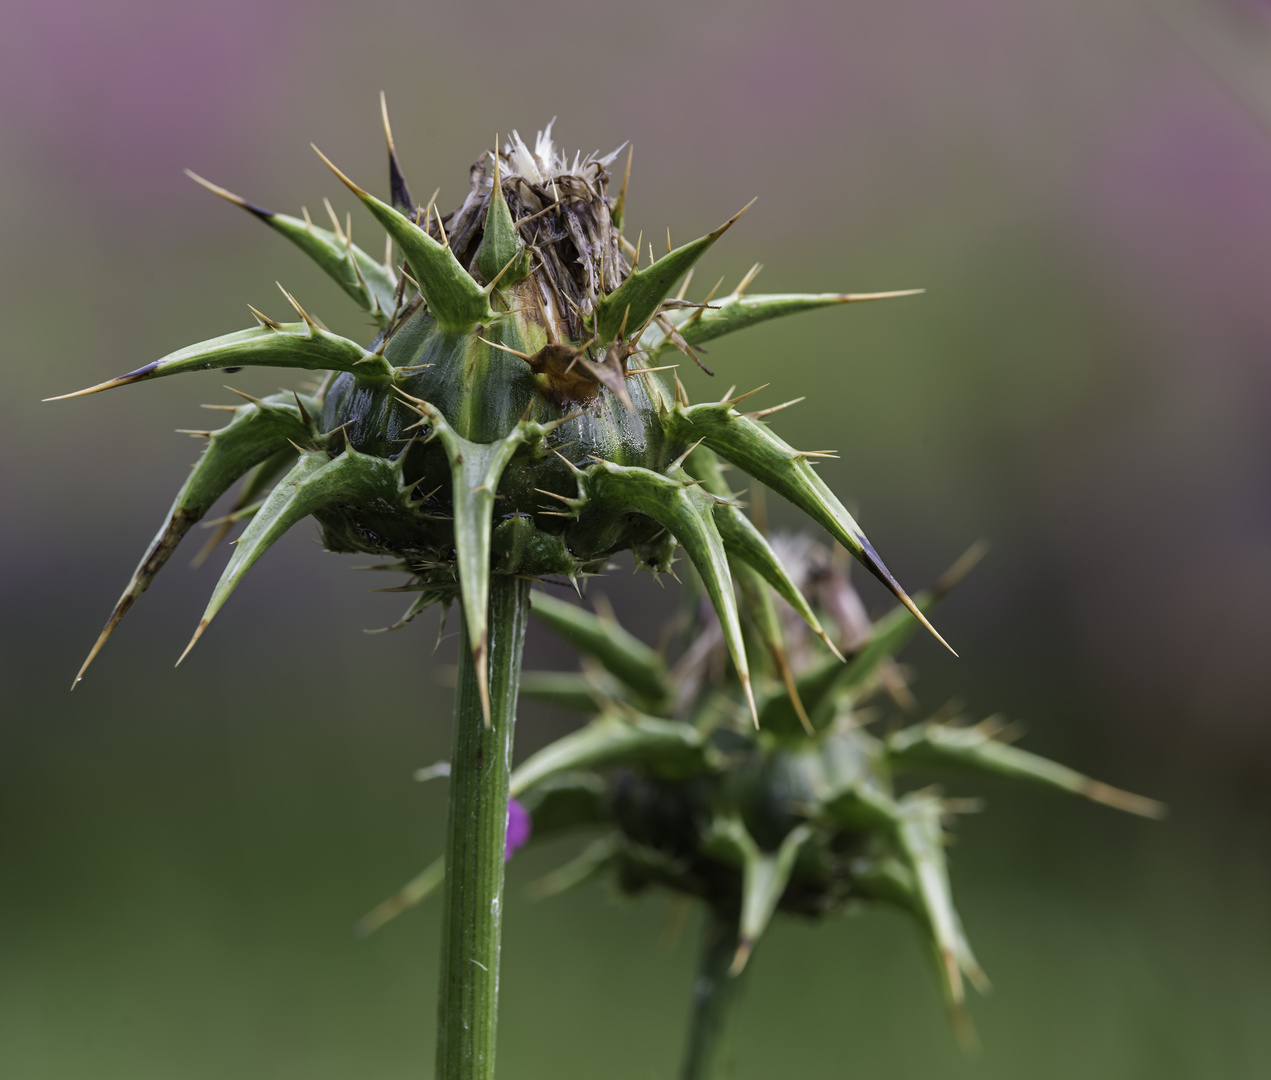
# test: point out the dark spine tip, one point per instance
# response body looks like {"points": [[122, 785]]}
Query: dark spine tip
{"points": [[229, 196], [397, 185], [878, 568], [140, 373], [400, 193], [875, 565]]}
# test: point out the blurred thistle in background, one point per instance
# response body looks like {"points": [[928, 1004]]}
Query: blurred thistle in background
{"points": [[812, 811], [1082, 188]]}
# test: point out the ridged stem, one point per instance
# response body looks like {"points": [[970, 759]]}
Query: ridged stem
{"points": [[480, 763], [715, 996]]}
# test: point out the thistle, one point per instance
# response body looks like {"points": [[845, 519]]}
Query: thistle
{"points": [[508, 422], [811, 814]]}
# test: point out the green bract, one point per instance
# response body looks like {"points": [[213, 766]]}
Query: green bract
{"points": [[509, 417]]}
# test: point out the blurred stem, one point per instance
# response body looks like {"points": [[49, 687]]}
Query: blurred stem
{"points": [[715, 996], [472, 923]]}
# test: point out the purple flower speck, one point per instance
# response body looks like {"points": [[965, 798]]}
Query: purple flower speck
{"points": [[519, 828]]}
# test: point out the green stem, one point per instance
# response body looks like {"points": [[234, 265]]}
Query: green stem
{"points": [[715, 994], [472, 922]]}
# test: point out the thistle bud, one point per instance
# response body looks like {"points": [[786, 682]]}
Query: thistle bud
{"points": [[813, 812], [511, 416]]}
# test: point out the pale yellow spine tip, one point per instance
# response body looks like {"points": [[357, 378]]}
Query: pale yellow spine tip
{"points": [[198, 633], [852, 298], [216, 189], [750, 697]]}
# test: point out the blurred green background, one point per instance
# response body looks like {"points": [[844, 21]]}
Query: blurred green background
{"points": [[1083, 187]]}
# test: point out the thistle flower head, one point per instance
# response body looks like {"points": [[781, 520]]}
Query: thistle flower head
{"points": [[510, 416]]}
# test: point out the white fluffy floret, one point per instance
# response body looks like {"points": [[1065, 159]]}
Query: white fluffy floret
{"points": [[545, 162]]}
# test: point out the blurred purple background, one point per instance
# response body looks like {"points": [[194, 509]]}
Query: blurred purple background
{"points": [[1085, 191]]}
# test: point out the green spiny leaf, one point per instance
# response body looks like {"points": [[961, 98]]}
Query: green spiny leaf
{"points": [[976, 749], [638, 298], [685, 510], [560, 689], [454, 298], [258, 430], [890, 880], [821, 687], [251, 497], [501, 244], [765, 876], [921, 841], [745, 542], [739, 312], [622, 654], [762, 615], [613, 739], [754, 448], [913, 824], [303, 345], [262, 478], [428, 596], [475, 470], [317, 481], [518, 546], [372, 284]]}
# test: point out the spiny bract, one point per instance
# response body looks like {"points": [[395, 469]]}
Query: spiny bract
{"points": [[508, 417], [806, 815]]}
